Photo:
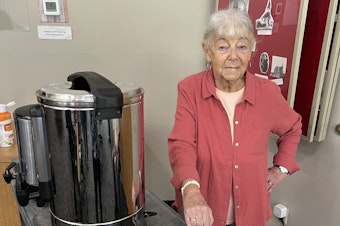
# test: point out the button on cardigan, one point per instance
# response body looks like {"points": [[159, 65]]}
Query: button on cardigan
{"points": [[200, 145]]}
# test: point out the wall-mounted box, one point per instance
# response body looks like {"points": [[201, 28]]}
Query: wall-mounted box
{"points": [[51, 7]]}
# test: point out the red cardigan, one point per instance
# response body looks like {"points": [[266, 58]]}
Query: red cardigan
{"points": [[200, 145]]}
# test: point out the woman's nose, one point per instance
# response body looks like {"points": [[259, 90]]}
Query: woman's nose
{"points": [[233, 53]]}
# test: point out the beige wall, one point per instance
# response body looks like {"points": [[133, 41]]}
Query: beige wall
{"points": [[155, 44]]}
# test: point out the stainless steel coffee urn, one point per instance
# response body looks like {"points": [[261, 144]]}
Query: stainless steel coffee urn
{"points": [[33, 179], [95, 160]]}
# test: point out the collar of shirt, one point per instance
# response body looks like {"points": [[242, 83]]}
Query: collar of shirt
{"points": [[208, 86]]}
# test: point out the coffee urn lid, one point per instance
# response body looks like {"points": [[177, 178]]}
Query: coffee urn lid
{"points": [[61, 95], [67, 95]]}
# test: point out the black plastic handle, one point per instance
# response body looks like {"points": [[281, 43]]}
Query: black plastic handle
{"points": [[107, 96], [8, 176]]}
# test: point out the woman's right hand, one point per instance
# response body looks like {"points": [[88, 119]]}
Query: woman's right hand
{"points": [[196, 210]]}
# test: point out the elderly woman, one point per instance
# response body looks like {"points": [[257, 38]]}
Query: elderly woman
{"points": [[218, 147]]}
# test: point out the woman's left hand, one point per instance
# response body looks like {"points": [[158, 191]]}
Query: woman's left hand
{"points": [[275, 176]]}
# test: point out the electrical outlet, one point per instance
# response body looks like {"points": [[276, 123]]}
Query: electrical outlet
{"points": [[281, 212]]}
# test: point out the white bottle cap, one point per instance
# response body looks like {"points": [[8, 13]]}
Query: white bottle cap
{"points": [[3, 108]]}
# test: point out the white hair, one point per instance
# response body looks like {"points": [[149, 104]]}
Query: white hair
{"points": [[229, 23]]}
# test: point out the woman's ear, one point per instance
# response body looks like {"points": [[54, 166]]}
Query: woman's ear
{"points": [[207, 53]]}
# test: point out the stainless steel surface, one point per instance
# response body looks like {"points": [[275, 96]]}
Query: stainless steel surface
{"points": [[26, 152], [41, 152], [61, 95]]}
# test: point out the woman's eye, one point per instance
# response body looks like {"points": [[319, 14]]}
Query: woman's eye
{"points": [[222, 48], [242, 46]]}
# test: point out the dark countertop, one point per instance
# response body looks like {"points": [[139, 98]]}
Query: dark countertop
{"points": [[40, 216]]}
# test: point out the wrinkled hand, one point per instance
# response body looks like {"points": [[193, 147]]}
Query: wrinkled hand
{"points": [[196, 210], [275, 176]]}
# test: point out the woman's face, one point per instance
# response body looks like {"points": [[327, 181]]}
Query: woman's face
{"points": [[229, 59]]}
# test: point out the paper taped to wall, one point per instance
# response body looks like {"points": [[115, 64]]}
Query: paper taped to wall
{"points": [[55, 32]]}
